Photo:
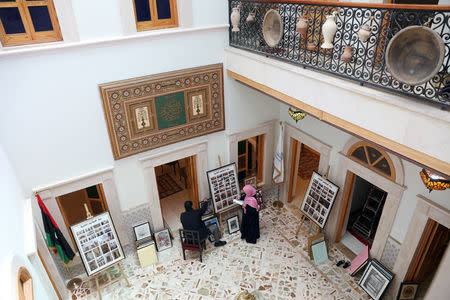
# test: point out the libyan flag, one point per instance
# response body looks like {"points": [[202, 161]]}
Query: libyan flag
{"points": [[54, 236]]}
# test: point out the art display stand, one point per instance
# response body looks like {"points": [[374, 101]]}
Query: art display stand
{"points": [[110, 281], [108, 274], [313, 227]]}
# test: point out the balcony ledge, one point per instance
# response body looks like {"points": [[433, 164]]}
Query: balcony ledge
{"points": [[381, 117]]}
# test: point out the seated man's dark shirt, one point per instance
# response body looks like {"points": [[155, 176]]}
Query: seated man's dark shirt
{"points": [[192, 220]]}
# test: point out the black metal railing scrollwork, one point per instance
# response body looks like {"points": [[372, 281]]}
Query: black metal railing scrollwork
{"points": [[367, 65]]}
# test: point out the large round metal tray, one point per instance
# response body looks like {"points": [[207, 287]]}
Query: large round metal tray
{"points": [[414, 55], [272, 28]]}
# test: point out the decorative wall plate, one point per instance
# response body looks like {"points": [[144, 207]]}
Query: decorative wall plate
{"points": [[272, 28], [148, 112]]}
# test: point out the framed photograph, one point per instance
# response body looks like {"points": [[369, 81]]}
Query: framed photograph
{"points": [[221, 185], [375, 279], [212, 223], [251, 181], [319, 199], [142, 231], [209, 211], [407, 291], [97, 242], [163, 240], [233, 224]]}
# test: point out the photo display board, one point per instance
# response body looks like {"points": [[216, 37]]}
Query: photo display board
{"points": [[97, 242], [224, 186], [319, 199]]}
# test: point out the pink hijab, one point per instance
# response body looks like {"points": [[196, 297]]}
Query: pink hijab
{"points": [[249, 199]]}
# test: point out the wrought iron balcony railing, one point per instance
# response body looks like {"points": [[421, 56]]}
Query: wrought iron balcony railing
{"points": [[367, 66]]}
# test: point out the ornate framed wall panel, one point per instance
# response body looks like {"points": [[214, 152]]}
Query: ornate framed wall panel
{"points": [[148, 112]]}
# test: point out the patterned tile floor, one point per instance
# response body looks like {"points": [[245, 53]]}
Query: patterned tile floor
{"points": [[277, 267]]}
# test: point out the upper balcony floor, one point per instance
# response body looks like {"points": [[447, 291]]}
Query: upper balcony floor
{"points": [[285, 49]]}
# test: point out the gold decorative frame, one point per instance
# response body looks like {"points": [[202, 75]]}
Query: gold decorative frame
{"points": [[131, 108]]}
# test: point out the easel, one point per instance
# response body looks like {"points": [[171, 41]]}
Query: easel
{"points": [[108, 274], [312, 224], [226, 210], [109, 282]]}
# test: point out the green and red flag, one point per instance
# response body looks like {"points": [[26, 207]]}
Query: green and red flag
{"points": [[54, 236]]}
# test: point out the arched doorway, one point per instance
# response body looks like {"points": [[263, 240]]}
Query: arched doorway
{"points": [[372, 185], [361, 215]]}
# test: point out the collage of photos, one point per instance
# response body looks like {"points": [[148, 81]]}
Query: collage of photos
{"points": [[97, 243], [224, 186], [319, 199]]}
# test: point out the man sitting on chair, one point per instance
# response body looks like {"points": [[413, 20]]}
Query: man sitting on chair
{"points": [[192, 220]]}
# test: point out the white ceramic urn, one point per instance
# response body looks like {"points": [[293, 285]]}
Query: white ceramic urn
{"points": [[329, 30], [235, 18]]}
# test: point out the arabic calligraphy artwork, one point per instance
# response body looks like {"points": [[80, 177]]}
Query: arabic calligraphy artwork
{"points": [[148, 112]]}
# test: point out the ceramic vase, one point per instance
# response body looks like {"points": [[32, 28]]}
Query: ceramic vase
{"points": [[251, 17], [302, 25], [329, 30], [235, 18], [364, 32], [311, 45], [348, 54]]}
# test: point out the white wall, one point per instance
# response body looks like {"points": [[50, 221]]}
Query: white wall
{"points": [[338, 138], [54, 128], [13, 252]]}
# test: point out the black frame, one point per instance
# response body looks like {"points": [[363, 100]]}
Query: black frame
{"points": [[402, 286], [304, 203], [139, 225], [388, 276], [238, 225], [113, 229], [211, 214]]}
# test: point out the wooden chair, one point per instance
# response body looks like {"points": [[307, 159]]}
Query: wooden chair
{"points": [[190, 240]]}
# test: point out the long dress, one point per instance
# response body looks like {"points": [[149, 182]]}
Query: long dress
{"points": [[250, 225]]}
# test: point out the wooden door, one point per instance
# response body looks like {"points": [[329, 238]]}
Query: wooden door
{"points": [[429, 252], [345, 206], [191, 168], [294, 166], [72, 205]]}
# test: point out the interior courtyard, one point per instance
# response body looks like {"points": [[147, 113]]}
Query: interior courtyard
{"points": [[117, 112]]}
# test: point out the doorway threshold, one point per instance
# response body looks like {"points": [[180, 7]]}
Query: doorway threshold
{"points": [[352, 243]]}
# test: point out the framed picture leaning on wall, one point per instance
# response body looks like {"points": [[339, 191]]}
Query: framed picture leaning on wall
{"points": [[319, 199], [97, 242], [375, 279], [162, 239], [142, 231]]}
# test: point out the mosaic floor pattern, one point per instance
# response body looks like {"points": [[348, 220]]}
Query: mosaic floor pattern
{"points": [[277, 267]]}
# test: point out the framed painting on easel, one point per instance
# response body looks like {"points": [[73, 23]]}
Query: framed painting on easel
{"points": [[224, 186], [98, 243], [319, 199]]}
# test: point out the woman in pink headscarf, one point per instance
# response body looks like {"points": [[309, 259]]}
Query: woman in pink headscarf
{"points": [[250, 218]]}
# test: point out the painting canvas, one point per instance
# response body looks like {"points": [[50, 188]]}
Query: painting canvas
{"points": [[142, 231], [163, 240], [209, 211], [224, 186], [319, 199], [154, 111], [233, 224], [97, 242]]}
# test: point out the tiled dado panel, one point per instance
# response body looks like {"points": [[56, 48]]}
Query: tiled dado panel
{"points": [[138, 215], [390, 253]]}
